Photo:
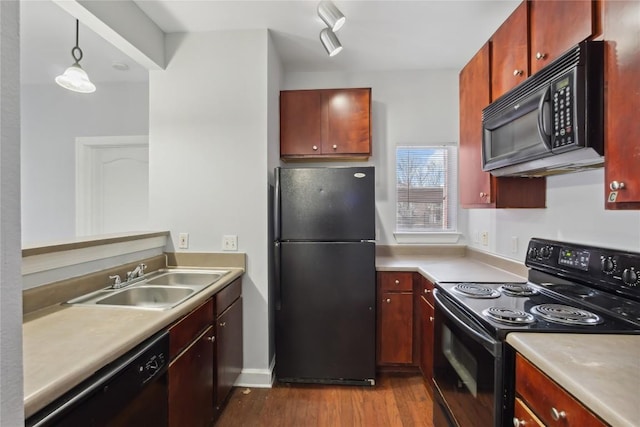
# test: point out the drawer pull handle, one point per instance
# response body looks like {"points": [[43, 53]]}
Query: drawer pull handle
{"points": [[388, 300], [557, 415], [430, 318], [211, 339], [335, 147], [517, 73], [540, 55], [613, 186], [315, 148], [397, 282], [427, 291], [518, 423], [223, 324]]}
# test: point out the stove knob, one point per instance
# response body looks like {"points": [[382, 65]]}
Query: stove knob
{"points": [[533, 253], [630, 276], [545, 252], [608, 265]]}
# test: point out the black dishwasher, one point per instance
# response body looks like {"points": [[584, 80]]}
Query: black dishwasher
{"points": [[131, 391]]}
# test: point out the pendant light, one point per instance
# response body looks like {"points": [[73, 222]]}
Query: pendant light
{"points": [[75, 78], [331, 15], [330, 42]]}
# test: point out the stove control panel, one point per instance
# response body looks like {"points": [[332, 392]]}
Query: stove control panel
{"points": [[613, 270]]}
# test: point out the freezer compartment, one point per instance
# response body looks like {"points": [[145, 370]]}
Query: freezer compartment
{"points": [[325, 204], [325, 315]]}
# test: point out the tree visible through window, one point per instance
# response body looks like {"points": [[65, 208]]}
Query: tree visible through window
{"points": [[426, 188]]}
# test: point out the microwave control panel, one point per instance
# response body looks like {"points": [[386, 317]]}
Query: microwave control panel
{"points": [[562, 107]]}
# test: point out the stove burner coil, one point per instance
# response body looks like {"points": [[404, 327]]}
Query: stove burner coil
{"points": [[518, 290], [565, 314], [511, 316], [475, 290]]}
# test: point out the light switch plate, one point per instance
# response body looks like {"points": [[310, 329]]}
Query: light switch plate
{"points": [[183, 241]]}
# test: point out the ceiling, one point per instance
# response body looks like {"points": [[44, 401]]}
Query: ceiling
{"points": [[378, 35]]}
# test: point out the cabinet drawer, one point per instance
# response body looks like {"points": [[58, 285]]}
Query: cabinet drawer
{"points": [[545, 398], [523, 415], [228, 295], [188, 328], [396, 281]]}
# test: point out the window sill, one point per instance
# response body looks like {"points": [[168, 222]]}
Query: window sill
{"points": [[435, 237]]}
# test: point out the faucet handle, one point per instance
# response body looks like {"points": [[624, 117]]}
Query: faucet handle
{"points": [[116, 279], [143, 267]]}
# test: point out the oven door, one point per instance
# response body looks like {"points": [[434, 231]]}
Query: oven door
{"points": [[467, 369]]}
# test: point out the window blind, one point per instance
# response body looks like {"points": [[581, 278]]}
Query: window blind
{"points": [[426, 184]]}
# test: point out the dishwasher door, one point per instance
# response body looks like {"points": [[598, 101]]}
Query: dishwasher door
{"points": [[131, 391]]}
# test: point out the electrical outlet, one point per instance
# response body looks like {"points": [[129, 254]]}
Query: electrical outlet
{"points": [[183, 241], [484, 237], [230, 243], [514, 244]]}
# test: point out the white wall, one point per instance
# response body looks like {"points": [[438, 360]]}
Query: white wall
{"points": [[408, 108], [11, 383], [575, 213], [208, 144], [52, 118]]}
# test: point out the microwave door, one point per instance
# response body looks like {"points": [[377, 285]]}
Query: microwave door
{"points": [[518, 133]]}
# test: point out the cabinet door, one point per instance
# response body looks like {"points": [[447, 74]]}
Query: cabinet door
{"points": [[300, 128], [229, 351], [190, 379], [348, 121], [510, 53], [474, 96], [622, 128], [556, 26], [426, 337], [395, 328]]}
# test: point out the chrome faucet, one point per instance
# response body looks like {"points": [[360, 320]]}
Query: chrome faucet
{"points": [[137, 273], [117, 283]]}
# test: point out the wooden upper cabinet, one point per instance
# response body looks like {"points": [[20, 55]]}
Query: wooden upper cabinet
{"points": [[327, 123], [479, 189], [510, 53], [622, 103], [556, 26]]}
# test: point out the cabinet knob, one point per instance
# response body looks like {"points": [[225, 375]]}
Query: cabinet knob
{"points": [[483, 194], [315, 148], [335, 146], [223, 324], [557, 415], [397, 282], [518, 423], [616, 185], [540, 55], [430, 318], [211, 339], [388, 300], [517, 72], [427, 291]]}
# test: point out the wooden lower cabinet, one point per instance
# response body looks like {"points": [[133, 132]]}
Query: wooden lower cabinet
{"points": [[426, 340], [395, 319], [549, 403], [206, 352]]}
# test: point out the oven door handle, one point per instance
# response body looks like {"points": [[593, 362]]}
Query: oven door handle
{"points": [[455, 316]]}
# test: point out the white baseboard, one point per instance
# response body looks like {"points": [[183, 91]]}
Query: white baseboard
{"points": [[257, 378]]}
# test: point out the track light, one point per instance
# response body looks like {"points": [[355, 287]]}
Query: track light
{"points": [[75, 78], [330, 42], [331, 15]]}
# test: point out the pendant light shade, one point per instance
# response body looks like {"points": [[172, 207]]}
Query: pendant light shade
{"points": [[331, 15], [75, 78], [330, 42]]}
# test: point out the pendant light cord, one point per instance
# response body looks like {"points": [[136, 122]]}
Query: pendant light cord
{"points": [[76, 49]]}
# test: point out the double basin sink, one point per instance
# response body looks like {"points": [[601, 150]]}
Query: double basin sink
{"points": [[159, 290]]}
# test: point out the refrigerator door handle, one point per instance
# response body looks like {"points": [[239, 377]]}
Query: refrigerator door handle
{"points": [[276, 204], [276, 276]]}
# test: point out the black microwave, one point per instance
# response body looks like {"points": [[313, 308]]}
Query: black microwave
{"points": [[552, 122]]}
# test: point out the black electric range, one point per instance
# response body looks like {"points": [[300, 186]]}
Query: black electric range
{"points": [[571, 288]]}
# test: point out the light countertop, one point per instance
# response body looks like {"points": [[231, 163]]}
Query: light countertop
{"points": [[601, 371], [64, 345]]}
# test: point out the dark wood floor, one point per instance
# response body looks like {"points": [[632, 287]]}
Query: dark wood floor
{"points": [[396, 400]]}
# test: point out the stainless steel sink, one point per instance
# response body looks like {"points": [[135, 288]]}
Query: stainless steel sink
{"points": [[148, 296], [160, 290]]}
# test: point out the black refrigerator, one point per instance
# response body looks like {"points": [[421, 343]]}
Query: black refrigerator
{"points": [[324, 265]]}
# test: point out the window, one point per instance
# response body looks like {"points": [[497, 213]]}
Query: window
{"points": [[426, 188]]}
